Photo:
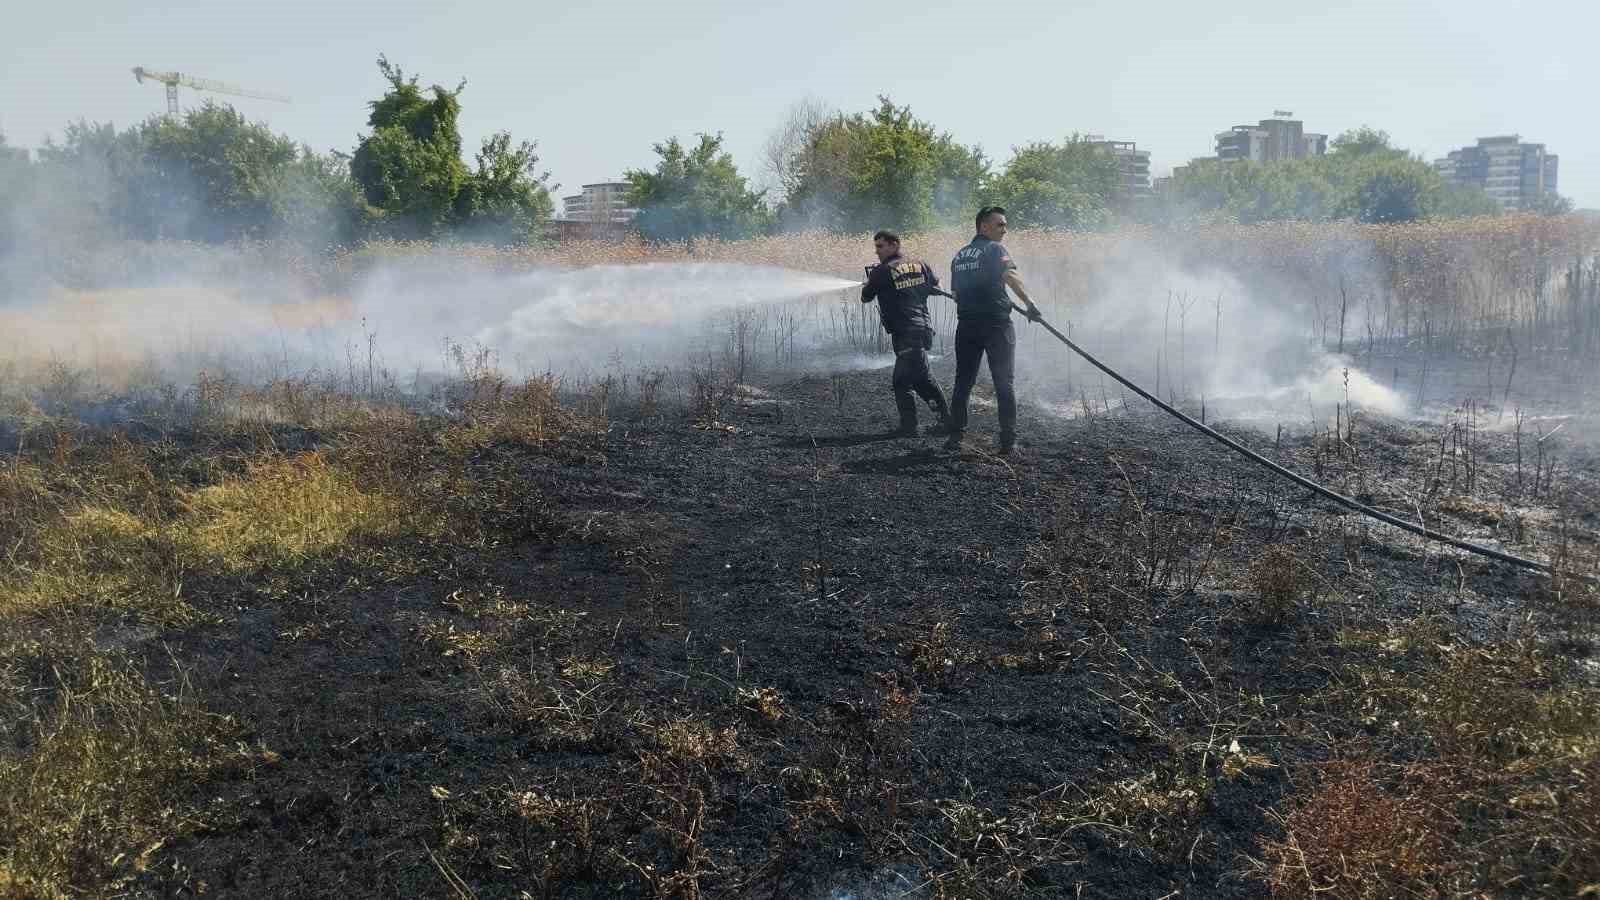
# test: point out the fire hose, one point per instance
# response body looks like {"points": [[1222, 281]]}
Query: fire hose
{"points": [[1327, 493]]}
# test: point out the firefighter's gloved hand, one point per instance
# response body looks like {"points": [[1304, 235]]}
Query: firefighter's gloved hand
{"points": [[1034, 315]]}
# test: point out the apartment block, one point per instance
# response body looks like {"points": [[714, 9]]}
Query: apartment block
{"points": [[1513, 173], [602, 202], [1270, 140], [1132, 163]]}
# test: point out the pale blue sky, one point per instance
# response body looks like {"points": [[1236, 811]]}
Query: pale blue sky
{"points": [[596, 83]]}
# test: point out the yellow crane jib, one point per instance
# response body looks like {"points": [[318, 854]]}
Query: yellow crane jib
{"points": [[173, 79]]}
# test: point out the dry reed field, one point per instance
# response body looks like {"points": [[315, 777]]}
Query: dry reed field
{"points": [[1447, 279], [703, 630]]}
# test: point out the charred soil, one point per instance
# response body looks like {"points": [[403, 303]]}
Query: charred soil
{"points": [[774, 652]]}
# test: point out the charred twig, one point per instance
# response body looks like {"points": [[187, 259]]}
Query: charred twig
{"points": [[1344, 303], [1509, 375]]}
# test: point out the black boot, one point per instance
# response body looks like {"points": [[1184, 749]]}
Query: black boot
{"points": [[1008, 442], [908, 417]]}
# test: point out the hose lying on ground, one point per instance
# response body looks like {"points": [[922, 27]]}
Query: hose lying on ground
{"points": [[1308, 484]]}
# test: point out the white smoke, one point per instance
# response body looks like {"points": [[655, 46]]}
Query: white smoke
{"points": [[650, 314], [1245, 350]]}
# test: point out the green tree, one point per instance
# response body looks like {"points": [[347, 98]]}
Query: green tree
{"points": [[959, 174], [1358, 141], [886, 168], [1249, 192], [1550, 203], [13, 159], [506, 199], [208, 175], [314, 201], [1390, 188], [15, 170], [409, 168], [695, 192], [411, 174], [783, 157], [91, 184], [819, 180], [1365, 178], [1376, 181], [1065, 185], [893, 170], [1461, 200]]}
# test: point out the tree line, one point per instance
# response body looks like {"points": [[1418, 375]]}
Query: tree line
{"points": [[1363, 178], [212, 176]]}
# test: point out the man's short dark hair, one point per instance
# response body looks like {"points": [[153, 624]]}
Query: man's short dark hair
{"points": [[886, 236], [985, 213]]}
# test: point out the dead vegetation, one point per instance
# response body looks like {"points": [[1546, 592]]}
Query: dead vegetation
{"points": [[1478, 776], [1279, 584], [662, 634], [1160, 690], [90, 792], [1449, 279]]}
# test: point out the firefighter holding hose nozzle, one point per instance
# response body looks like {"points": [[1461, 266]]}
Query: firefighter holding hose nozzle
{"points": [[902, 287]]}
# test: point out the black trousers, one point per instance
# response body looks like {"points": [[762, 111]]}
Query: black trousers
{"points": [[974, 340], [911, 373]]}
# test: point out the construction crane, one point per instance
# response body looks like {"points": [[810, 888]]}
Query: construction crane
{"points": [[173, 79]]}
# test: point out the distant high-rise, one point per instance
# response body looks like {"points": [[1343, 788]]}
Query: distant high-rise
{"points": [[1514, 174], [604, 202], [1272, 140], [1132, 163]]}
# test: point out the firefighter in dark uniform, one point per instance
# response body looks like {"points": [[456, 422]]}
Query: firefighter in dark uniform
{"points": [[979, 275], [901, 286]]}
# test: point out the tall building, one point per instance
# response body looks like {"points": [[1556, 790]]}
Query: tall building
{"points": [[1514, 174], [604, 202], [1132, 163], [1272, 140]]}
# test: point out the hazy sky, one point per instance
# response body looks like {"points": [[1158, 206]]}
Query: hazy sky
{"points": [[597, 83]]}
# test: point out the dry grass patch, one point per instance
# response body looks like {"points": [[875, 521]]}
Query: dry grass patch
{"points": [[100, 559], [89, 794], [493, 408], [1352, 836], [124, 550], [766, 704], [1484, 778], [1453, 827], [935, 653], [1279, 582], [286, 509], [25, 499], [472, 645], [587, 670], [691, 740], [1507, 704]]}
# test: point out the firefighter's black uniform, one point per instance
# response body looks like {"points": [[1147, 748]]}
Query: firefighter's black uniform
{"points": [[902, 286], [983, 328]]}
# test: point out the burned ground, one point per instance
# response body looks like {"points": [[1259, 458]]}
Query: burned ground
{"points": [[769, 651]]}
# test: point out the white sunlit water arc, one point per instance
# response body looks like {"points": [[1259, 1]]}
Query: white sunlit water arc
{"points": [[405, 313], [564, 314]]}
